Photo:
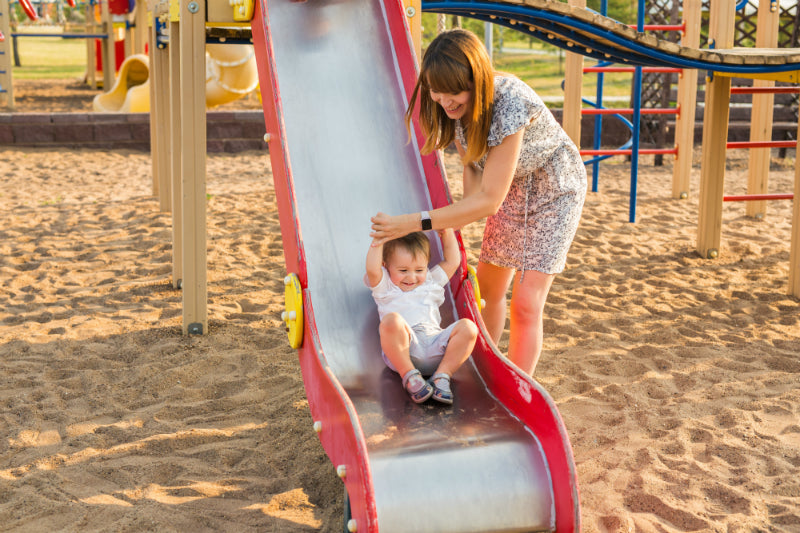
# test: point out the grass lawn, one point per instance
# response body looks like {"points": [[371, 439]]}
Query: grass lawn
{"points": [[50, 58], [545, 73]]}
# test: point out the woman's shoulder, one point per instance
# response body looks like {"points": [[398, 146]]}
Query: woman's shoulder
{"points": [[509, 87], [515, 106]]}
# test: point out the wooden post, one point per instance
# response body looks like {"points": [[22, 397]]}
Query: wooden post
{"points": [[91, 56], [573, 85], [175, 153], [715, 137], [159, 111], [109, 56], [154, 85], [140, 27], [761, 114], [128, 41], [413, 9], [193, 163], [6, 61], [794, 248], [687, 104]]}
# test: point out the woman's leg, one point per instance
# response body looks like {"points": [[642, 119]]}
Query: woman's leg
{"points": [[527, 318], [493, 282], [395, 342]]}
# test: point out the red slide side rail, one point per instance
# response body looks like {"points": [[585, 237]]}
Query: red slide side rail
{"points": [[340, 435]]}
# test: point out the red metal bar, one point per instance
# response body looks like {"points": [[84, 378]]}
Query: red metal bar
{"points": [[631, 69], [629, 111], [763, 144], [643, 151], [765, 90], [756, 197], [661, 27], [27, 7]]}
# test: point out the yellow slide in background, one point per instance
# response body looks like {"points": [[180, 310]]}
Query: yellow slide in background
{"points": [[231, 73], [131, 90]]}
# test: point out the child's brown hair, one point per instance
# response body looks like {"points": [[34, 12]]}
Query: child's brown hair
{"points": [[415, 243]]}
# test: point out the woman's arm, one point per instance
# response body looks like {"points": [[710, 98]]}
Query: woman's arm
{"points": [[486, 200], [471, 177]]}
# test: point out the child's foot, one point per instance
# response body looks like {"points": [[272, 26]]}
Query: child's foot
{"points": [[441, 388], [416, 386]]}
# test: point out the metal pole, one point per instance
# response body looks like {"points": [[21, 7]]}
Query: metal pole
{"points": [[487, 39]]}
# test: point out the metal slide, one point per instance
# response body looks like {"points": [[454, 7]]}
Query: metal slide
{"points": [[335, 78]]}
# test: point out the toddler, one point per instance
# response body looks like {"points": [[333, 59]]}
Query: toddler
{"points": [[408, 295]]}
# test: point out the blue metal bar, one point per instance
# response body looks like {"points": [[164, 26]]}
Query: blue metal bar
{"points": [[598, 131], [643, 55], [637, 115], [598, 119], [637, 122]]}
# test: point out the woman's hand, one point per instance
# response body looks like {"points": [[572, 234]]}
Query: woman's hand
{"points": [[386, 228]]}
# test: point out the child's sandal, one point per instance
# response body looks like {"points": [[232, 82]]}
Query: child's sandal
{"points": [[416, 386], [441, 391]]}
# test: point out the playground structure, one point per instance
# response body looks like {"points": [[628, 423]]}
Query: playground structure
{"points": [[593, 35], [230, 74], [766, 29], [110, 38], [322, 93], [231, 69], [124, 24], [684, 111]]}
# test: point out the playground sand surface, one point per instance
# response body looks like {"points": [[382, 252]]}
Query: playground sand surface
{"points": [[676, 376]]}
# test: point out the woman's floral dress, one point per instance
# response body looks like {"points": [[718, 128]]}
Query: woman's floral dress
{"points": [[536, 223]]}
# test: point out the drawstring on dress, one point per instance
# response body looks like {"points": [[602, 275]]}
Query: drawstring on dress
{"points": [[525, 228]]}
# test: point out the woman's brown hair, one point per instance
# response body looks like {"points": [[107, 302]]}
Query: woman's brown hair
{"points": [[454, 60]]}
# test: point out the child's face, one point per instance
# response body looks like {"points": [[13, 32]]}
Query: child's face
{"points": [[405, 270]]}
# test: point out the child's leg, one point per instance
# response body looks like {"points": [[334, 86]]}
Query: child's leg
{"points": [[395, 342], [459, 347]]}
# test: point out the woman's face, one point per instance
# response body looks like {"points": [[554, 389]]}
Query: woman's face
{"points": [[456, 106]]}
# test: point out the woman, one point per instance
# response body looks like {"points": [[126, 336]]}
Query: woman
{"points": [[521, 171]]}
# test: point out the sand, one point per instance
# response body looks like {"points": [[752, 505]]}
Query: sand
{"points": [[676, 376]]}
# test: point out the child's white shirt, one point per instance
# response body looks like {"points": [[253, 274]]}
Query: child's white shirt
{"points": [[420, 305]]}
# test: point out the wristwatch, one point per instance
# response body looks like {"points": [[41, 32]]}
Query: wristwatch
{"points": [[426, 221]]}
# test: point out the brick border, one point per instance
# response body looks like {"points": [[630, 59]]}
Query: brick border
{"points": [[227, 131]]}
